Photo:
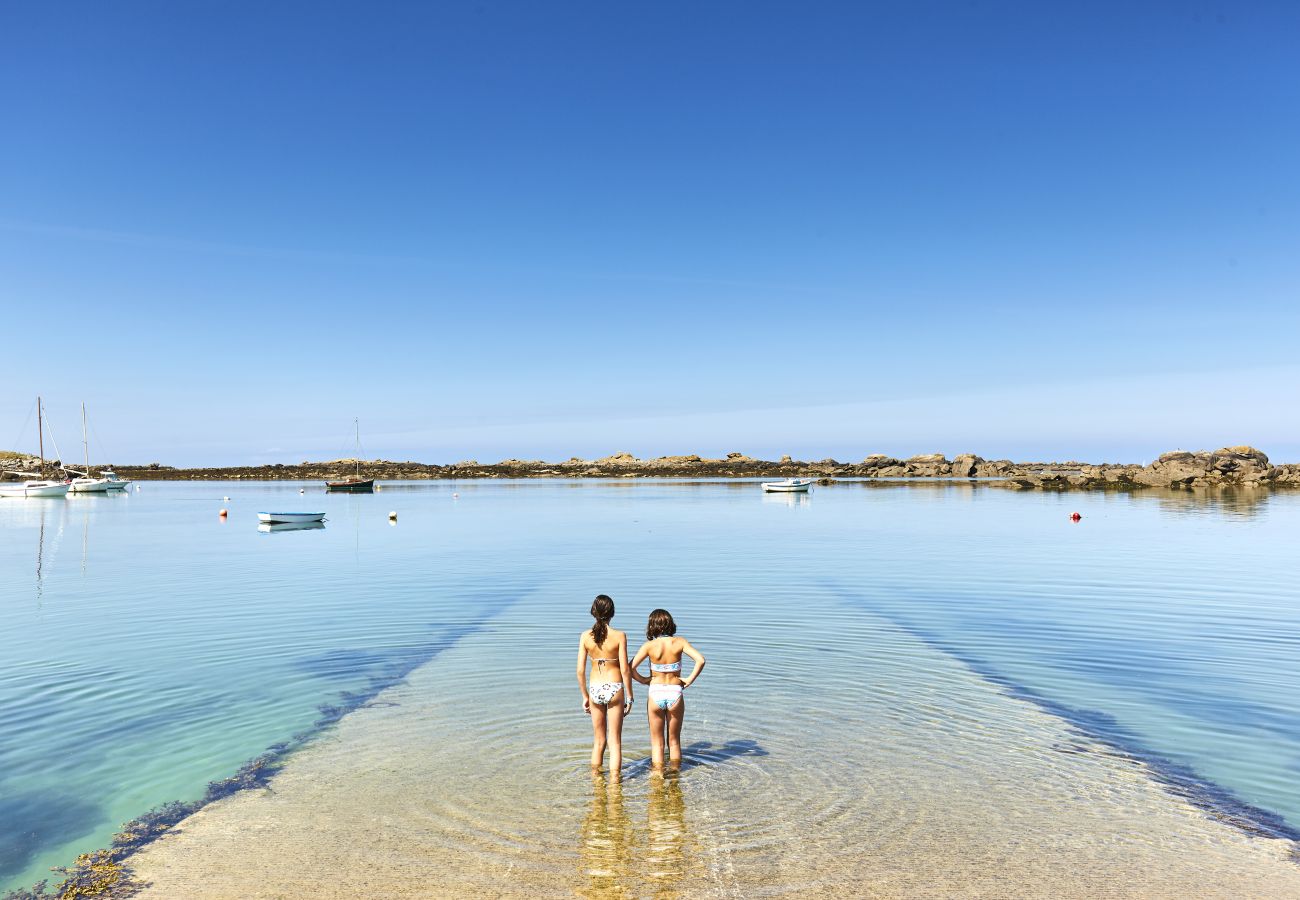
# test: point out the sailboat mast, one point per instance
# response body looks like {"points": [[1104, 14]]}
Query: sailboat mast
{"points": [[85, 441], [357, 423], [40, 430]]}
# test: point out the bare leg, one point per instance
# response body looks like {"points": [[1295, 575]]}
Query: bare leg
{"points": [[597, 734], [657, 719], [614, 713], [675, 717]]}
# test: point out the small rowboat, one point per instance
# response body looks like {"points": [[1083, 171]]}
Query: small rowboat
{"points": [[297, 518], [800, 485]]}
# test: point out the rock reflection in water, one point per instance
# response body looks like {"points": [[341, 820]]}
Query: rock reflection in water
{"points": [[608, 841]]}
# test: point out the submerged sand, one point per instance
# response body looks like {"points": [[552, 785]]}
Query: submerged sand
{"points": [[902, 775]]}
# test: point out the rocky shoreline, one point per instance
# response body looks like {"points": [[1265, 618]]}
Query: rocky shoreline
{"points": [[1227, 467]]}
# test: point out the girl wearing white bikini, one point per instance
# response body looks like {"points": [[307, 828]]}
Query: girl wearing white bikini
{"points": [[667, 706], [607, 694]]}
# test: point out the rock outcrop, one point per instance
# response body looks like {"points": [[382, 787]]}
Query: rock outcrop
{"points": [[1226, 467]]}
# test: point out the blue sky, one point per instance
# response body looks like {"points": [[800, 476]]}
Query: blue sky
{"points": [[543, 230]]}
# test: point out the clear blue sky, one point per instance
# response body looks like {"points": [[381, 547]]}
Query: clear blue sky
{"points": [[542, 230]]}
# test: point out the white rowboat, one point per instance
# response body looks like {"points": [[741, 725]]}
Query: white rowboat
{"points": [[297, 518], [800, 485]]}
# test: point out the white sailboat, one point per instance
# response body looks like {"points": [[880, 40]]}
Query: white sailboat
{"points": [[84, 483], [34, 484]]}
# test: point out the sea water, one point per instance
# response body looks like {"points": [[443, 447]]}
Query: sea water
{"points": [[871, 646]]}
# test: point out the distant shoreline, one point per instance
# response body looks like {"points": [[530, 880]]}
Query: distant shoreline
{"points": [[1240, 466]]}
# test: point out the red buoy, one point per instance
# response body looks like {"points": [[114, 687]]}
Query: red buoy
{"points": [[1074, 517]]}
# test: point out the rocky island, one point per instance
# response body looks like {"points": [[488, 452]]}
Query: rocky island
{"points": [[1227, 467]]}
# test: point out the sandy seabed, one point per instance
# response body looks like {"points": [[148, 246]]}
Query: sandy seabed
{"points": [[906, 790]]}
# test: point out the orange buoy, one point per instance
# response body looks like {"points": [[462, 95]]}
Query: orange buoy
{"points": [[222, 513]]}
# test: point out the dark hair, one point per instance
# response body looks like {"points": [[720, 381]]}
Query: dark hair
{"points": [[661, 624], [603, 609]]}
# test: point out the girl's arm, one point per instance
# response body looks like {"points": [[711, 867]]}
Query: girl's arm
{"points": [[626, 673], [582, 674], [640, 657], [699, 662]]}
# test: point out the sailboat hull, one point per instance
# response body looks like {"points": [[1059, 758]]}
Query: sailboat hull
{"points": [[351, 487], [34, 489], [90, 486]]}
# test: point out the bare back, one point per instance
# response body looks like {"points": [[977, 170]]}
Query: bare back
{"points": [[664, 651], [606, 659]]}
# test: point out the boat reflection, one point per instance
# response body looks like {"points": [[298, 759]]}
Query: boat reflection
{"points": [[789, 498], [267, 527]]}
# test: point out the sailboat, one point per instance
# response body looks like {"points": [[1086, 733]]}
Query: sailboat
{"points": [[357, 484], [84, 483], [38, 486]]}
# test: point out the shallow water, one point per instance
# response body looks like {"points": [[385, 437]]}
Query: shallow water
{"points": [[884, 660]]}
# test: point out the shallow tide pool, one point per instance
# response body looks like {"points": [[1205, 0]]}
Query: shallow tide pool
{"points": [[892, 667]]}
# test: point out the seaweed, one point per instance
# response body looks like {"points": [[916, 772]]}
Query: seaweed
{"points": [[1112, 738], [105, 875]]}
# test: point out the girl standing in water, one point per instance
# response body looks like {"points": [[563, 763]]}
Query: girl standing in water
{"points": [[667, 707], [607, 695]]}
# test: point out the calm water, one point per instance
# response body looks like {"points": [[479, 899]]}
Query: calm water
{"points": [[150, 647]]}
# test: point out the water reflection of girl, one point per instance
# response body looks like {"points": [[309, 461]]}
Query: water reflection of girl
{"points": [[607, 842], [665, 855]]}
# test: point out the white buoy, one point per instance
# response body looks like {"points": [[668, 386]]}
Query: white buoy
{"points": [[302, 490], [455, 496], [227, 499]]}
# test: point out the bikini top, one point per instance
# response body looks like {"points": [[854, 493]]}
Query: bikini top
{"points": [[666, 667]]}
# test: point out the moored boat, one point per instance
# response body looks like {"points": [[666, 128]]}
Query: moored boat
{"points": [[356, 484], [84, 482], [35, 484], [290, 518], [34, 488], [800, 485], [364, 486], [115, 483]]}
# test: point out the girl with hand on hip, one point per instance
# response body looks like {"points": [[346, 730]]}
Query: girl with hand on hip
{"points": [[667, 706]]}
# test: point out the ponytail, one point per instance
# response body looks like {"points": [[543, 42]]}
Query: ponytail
{"points": [[602, 608]]}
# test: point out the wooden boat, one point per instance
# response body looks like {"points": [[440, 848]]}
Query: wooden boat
{"points": [[790, 485], [366, 486], [290, 518], [39, 485], [356, 485]]}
